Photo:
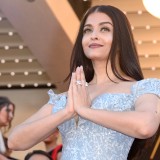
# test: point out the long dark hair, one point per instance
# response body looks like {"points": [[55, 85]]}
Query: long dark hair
{"points": [[5, 102], [123, 47], [142, 148]]}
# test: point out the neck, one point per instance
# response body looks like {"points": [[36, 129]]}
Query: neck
{"points": [[100, 75]]}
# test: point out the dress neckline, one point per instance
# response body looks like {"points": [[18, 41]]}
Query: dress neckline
{"points": [[116, 93]]}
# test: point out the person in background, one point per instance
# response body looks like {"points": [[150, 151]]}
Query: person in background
{"points": [[8, 150], [108, 105], [52, 147], [7, 109], [37, 155]]}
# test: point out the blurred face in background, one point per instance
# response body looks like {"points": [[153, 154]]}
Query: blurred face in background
{"points": [[6, 115]]}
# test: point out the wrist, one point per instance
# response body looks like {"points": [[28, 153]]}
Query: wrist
{"points": [[82, 110], [68, 113]]}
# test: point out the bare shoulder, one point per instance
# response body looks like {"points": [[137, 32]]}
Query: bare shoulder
{"points": [[148, 103]]}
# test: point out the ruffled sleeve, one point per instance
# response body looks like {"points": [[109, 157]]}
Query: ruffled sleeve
{"points": [[52, 97], [147, 86], [58, 100]]}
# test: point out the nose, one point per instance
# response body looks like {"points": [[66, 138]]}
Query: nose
{"points": [[94, 35], [10, 116]]}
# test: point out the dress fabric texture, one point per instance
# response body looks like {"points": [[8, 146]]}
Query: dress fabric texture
{"points": [[89, 141]]}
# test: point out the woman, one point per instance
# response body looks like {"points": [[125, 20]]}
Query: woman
{"points": [[98, 120], [6, 115], [6, 112]]}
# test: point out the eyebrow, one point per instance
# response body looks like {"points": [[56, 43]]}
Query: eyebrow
{"points": [[100, 24]]}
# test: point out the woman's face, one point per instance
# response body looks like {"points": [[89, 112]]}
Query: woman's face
{"points": [[6, 115], [97, 36]]}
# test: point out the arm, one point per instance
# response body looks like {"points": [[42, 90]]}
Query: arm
{"points": [[141, 123], [40, 125], [36, 128]]}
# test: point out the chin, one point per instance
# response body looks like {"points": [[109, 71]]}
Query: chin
{"points": [[92, 56], [96, 56]]}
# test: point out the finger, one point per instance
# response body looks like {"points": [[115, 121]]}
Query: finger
{"points": [[74, 87], [78, 77], [70, 91], [70, 85], [82, 76]]}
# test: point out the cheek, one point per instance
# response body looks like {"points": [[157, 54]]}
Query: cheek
{"points": [[3, 119], [4, 113], [84, 43], [110, 39], [108, 45]]}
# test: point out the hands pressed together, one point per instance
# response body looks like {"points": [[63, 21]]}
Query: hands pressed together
{"points": [[78, 97]]}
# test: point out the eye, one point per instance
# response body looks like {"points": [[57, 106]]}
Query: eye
{"points": [[105, 29], [8, 110], [87, 30]]}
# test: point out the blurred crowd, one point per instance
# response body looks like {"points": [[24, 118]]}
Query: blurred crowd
{"points": [[53, 149]]}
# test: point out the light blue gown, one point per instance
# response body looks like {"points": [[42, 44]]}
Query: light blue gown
{"points": [[89, 141]]}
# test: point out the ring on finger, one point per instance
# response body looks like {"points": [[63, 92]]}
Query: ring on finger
{"points": [[78, 82]]}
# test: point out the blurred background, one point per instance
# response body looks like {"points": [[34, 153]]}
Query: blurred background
{"points": [[36, 40]]}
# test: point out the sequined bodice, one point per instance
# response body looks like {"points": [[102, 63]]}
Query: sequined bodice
{"points": [[90, 141]]}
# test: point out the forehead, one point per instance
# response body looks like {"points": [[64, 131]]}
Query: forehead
{"points": [[97, 17], [10, 106], [39, 157]]}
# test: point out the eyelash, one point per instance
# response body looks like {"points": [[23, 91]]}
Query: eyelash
{"points": [[89, 30], [107, 29], [86, 30]]}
